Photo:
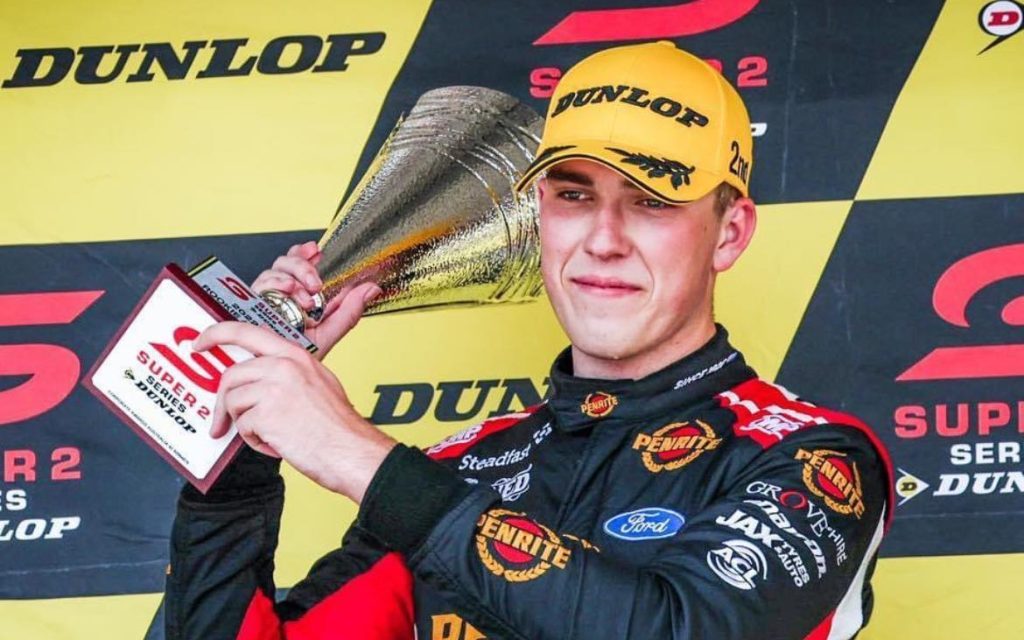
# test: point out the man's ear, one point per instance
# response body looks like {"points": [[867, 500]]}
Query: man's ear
{"points": [[736, 229]]}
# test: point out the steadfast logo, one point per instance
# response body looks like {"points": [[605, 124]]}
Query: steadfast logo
{"points": [[223, 58]]}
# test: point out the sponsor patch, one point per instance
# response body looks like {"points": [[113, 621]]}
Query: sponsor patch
{"points": [[777, 427], [599, 404], [783, 524], [739, 563], [652, 523], [754, 529], [831, 476], [461, 437], [516, 548], [513, 487], [703, 373], [470, 462], [675, 445]]}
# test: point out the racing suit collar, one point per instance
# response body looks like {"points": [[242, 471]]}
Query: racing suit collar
{"points": [[582, 402]]}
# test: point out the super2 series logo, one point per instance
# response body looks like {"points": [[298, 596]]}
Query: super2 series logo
{"points": [[654, 23], [997, 422], [675, 445]]}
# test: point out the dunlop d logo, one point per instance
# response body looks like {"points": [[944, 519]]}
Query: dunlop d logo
{"points": [[516, 548], [675, 445], [829, 476], [599, 404]]}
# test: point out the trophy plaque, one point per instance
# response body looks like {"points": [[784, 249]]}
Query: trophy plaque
{"points": [[435, 221]]}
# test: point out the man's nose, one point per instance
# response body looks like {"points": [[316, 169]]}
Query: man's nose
{"points": [[607, 237]]}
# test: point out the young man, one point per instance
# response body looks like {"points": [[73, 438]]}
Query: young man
{"points": [[661, 491]]}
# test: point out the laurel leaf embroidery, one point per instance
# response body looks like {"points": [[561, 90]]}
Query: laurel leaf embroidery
{"points": [[679, 173]]}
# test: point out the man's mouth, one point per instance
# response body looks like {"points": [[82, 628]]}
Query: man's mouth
{"points": [[608, 287]]}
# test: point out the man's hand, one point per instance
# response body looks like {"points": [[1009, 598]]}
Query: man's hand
{"points": [[288, 405], [294, 274]]}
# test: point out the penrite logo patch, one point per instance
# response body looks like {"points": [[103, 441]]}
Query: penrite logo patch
{"points": [[675, 445], [599, 404], [516, 548], [829, 475], [652, 523]]}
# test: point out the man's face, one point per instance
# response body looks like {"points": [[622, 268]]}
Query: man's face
{"points": [[626, 273]]}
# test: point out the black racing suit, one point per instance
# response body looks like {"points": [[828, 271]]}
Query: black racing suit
{"points": [[698, 502]]}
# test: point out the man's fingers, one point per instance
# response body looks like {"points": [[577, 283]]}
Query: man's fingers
{"points": [[306, 250], [276, 280], [283, 283], [347, 315], [256, 340], [300, 269], [241, 374], [240, 399], [247, 418]]}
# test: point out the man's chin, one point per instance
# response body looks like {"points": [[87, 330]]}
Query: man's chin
{"points": [[612, 348]]}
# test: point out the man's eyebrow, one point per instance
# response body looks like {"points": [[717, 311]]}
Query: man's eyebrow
{"points": [[564, 175]]}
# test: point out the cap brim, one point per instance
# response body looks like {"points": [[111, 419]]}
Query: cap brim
{"points": [[670, 180]]}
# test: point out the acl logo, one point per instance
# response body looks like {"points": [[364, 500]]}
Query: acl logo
{"points": [[53, 370], [1002, 19], [739, 563], [953, 292]]}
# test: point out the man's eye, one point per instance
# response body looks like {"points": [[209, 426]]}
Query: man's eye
{"points": [[653, 203], [570, 194]]}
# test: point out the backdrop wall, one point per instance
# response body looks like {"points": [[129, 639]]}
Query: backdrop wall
{"points": [[890, 253]]}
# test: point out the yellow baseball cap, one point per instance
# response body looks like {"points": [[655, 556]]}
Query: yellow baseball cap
{"points": [[662, 117]]}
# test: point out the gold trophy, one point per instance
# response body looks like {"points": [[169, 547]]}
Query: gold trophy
{"points": [[435, 220]]}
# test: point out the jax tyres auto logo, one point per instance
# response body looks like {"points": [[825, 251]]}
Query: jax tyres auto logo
{"points": [[675, 445], [599, 404], [830, 476], [739, 563], [516, 548]]}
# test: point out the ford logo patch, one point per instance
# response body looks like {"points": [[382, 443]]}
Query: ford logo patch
{"points": [[651, 523]]}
